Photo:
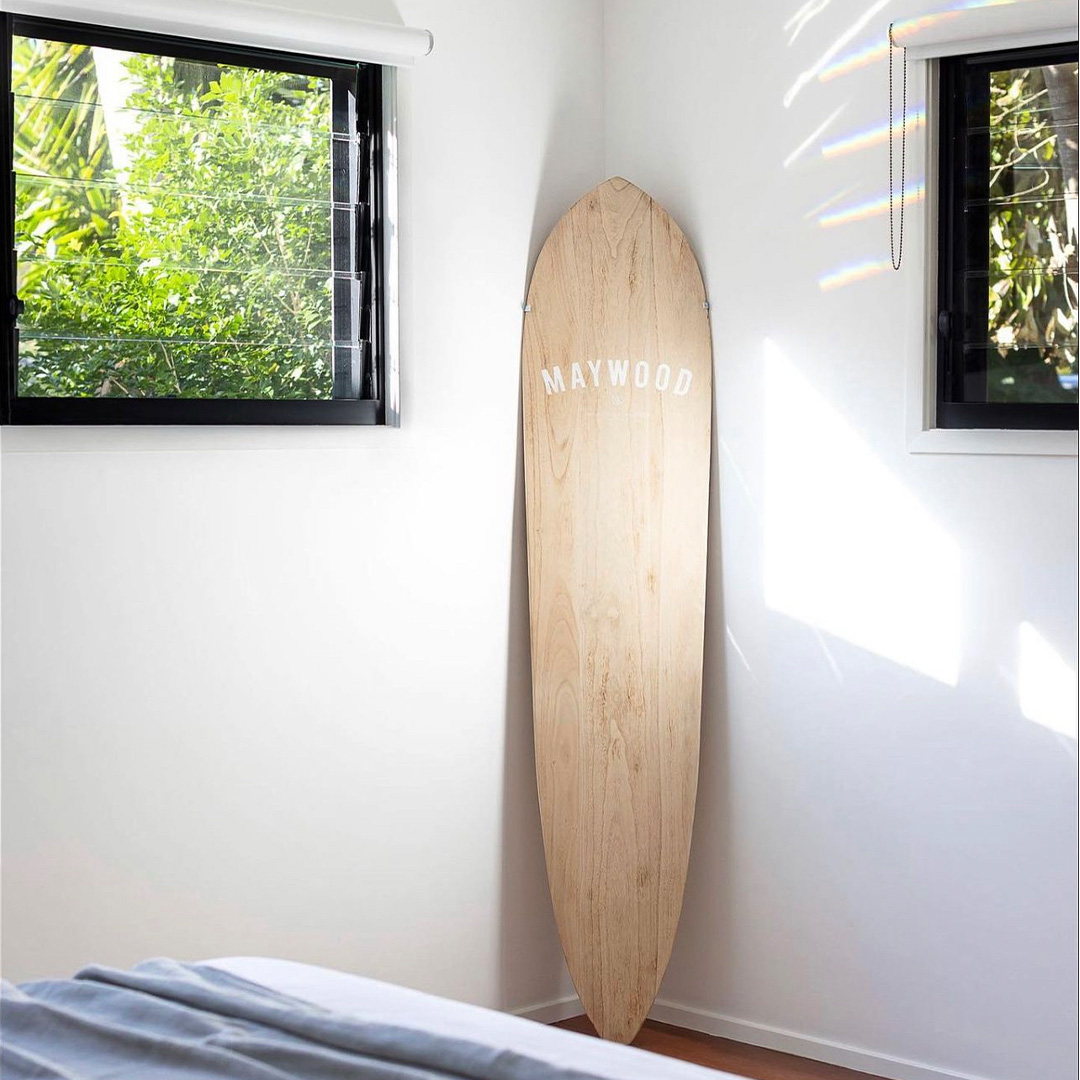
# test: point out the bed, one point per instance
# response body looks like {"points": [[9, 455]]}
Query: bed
{"points": [[255, 1018]]}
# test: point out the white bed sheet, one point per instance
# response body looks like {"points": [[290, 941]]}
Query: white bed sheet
{"points": [[386, 1003]]}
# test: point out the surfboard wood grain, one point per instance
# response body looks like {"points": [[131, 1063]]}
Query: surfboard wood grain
{"points": [[616, 391]]}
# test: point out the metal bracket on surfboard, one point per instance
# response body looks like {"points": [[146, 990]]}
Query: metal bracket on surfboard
{"points": [[617, 403]]}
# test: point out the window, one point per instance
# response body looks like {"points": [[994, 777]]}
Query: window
{"points": [[195, 232], [1007, 315]]}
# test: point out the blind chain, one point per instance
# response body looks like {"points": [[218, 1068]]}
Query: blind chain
{"points": [[896, 234]]}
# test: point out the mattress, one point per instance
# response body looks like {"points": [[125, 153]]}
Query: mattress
{"points": [[397, 1005]]}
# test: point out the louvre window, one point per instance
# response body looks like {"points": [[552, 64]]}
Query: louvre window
{"points": [[194, 232], [1007, 316]]}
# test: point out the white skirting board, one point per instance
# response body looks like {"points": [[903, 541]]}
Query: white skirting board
{"points": [[551, 1012], [771, 1038]]}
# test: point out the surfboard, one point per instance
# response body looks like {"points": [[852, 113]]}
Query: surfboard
{"points": [[616, 398]]}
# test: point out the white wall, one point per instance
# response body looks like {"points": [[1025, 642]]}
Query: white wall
{"points": [[884, 853], [267, 691]]}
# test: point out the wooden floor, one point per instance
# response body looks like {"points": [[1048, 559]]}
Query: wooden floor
{"points": [[732, 1057]]}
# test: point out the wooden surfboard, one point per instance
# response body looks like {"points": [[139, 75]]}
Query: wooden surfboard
{"points": [[616, 388]]}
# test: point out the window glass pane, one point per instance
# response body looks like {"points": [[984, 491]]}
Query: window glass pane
{"points": [[172, 226], [1031, 203]]}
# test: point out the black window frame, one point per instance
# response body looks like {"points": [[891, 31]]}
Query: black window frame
{"points": [[362, 225], [954, 242]]}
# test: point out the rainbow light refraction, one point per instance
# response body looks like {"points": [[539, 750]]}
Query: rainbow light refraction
{"points": [[871, 207], [846, 275], [860, 140]]}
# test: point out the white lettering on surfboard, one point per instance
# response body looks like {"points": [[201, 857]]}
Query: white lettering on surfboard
{"points": [[618, 372]]}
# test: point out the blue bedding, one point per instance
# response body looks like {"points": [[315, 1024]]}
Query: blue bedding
{"points": [[165, 1020]]}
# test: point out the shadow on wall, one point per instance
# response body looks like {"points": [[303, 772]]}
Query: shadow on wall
{"points": [[713, 813], [527, 922]]}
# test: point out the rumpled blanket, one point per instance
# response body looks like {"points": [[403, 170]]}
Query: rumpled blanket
{"points": [[165, 1020]]}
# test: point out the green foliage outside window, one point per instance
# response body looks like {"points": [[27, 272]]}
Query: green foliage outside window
{"points": [[1033, 235], [172, 227]]}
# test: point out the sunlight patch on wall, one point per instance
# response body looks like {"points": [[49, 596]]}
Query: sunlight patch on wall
{"points": [[847, 549], [1046, 684], [801, 17], [811, 138], [826, 58], [738, 651]]}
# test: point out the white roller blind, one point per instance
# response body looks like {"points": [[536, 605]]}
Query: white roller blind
{"points": [[982, 29], [240, 22]]}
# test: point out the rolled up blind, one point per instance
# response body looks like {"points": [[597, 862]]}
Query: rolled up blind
{"points": [[240, 22], [983, 29]]}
